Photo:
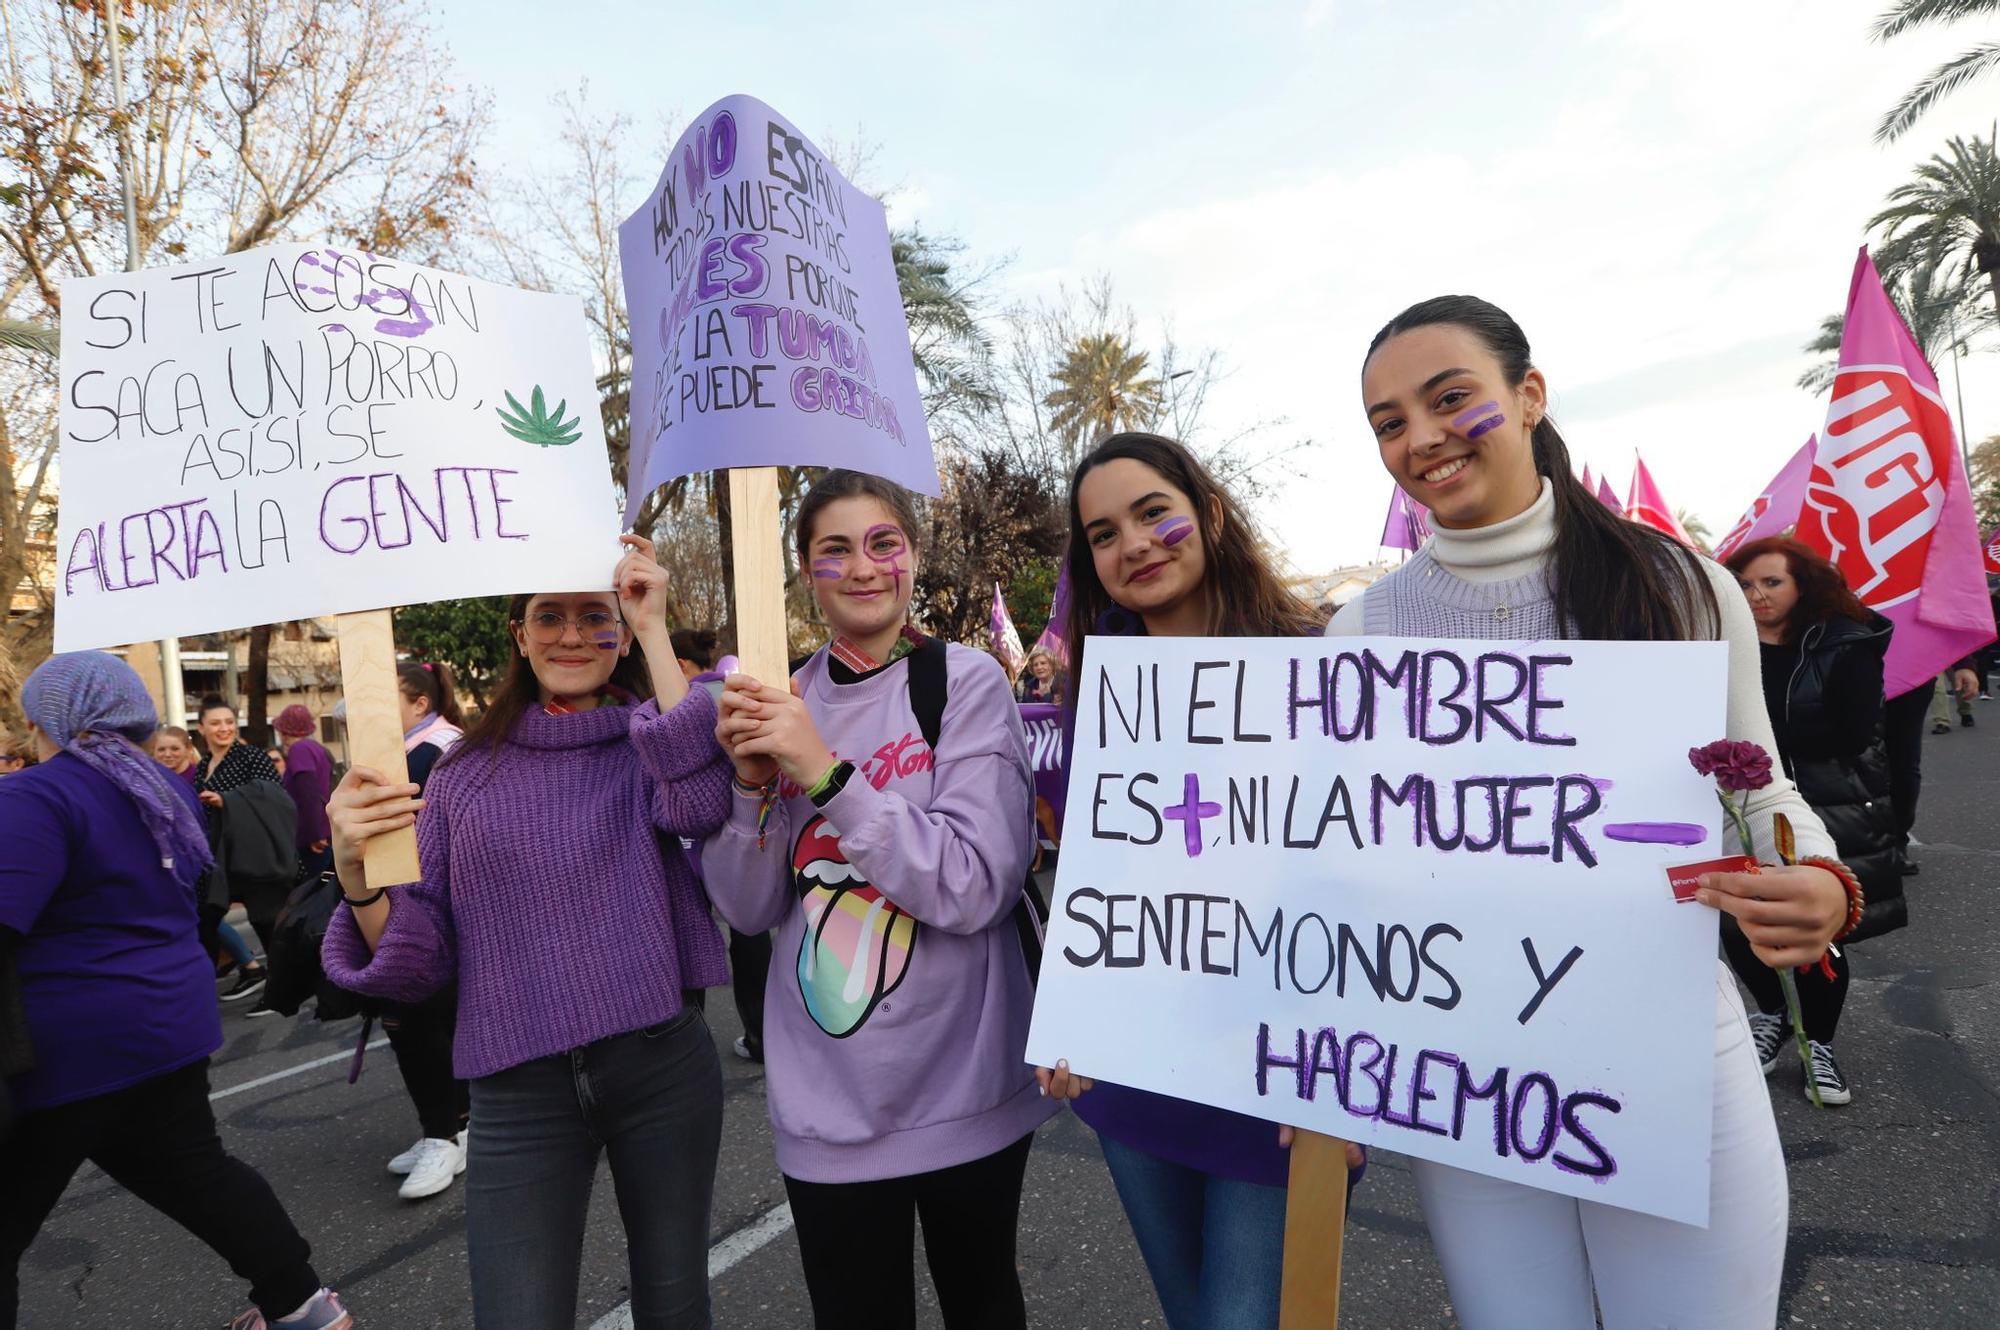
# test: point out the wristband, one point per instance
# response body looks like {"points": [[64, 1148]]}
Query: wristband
{"points": [[832, 783], [364, 901], [1857, 900]]}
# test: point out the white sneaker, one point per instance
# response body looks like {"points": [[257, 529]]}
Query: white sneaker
{"points": [[404, 1162], [438, 1162]]}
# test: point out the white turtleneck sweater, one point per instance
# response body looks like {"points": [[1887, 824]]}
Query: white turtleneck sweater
{"points": [[1521, 544]]}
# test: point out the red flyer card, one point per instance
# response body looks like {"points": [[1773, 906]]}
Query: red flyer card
{"points": [[1685, 878]]}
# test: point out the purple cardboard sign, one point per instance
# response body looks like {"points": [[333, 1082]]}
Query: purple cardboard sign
{"points": [[767, 325]]}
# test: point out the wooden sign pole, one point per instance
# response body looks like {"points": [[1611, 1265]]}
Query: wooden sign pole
{"points": [[1315, 1221], [375, 731], [760, 575]]}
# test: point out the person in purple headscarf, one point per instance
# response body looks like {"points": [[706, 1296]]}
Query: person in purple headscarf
{"points": [[308, 778], [98, 920]]}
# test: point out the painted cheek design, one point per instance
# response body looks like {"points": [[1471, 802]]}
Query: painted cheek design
{"points": [[1483, 419], [893, 564], [829, 570], [1174, 530], [606, 639]]}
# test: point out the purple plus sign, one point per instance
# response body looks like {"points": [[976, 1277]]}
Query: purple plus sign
{"points": [[1190, 811]]}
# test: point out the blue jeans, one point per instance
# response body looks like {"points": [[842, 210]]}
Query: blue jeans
{"points": [[651, 1098], [1215, 1247]]}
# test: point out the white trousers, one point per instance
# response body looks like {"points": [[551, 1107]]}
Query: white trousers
{"points": [[1519, 1259]]}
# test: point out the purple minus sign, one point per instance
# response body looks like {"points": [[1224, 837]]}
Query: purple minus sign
{"points": [[1657, 833]]}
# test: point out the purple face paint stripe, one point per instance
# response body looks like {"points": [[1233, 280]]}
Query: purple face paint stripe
{"points": [[829, 569], [1471, 414], [1657, 833], [1174, 530], [1486, 426]]}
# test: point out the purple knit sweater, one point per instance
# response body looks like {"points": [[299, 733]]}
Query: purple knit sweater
{"points": [[547, 890]]}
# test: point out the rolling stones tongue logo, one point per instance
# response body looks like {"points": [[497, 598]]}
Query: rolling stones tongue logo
{"points": [[857, 944]]}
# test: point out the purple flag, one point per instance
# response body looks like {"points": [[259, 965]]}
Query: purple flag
{"points": [[1407, 524], [1051, 639], [1774, 510], [1006, 642], [1609, 497]]}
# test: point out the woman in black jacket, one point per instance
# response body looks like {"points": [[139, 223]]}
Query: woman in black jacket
{"points": [[1823, 652]]}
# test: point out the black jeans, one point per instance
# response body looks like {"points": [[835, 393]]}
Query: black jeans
{"points": [[421, 1036], [1903, 737], [857, 1241], [652, 1099], [157, 1140], [1820, 998], [749, 967]]}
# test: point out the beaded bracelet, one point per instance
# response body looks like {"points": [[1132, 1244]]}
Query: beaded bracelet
{"points": [[766, 796]]}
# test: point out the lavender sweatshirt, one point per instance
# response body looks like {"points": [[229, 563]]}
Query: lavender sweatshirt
{"points": [[547, 890], [896, 1012]]}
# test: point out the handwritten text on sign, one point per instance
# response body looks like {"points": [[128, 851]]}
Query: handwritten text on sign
{"points": [[767, 325], [1401, 892], [295, 431]]}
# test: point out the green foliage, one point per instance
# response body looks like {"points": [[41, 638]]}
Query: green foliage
{"points": [[538, 425], [468, 635], [1031, 595], [1948, 77]]}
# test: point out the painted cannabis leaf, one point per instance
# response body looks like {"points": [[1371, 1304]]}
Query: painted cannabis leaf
{"points": [[536, 424]]}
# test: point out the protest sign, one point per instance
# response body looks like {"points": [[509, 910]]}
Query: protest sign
{"points": [[296, 431], [767, 325], [1405, 893]]}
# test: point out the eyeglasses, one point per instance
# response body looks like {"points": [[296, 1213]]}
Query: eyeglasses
{"points": [[547, 627]]}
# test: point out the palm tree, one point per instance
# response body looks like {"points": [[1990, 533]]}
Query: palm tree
{"points": [[947, 340], [1101, 387], [1948, 215], [1697, 529], [1935, 308], [1948, 77]]}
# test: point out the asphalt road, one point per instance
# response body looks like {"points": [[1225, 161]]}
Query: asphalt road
{"points": [[1895, 1198]]}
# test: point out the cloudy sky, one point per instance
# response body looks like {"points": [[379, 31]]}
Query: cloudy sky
{"points": [[1668, 197]]}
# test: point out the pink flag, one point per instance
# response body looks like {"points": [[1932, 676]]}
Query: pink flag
{"points": [[1006, 642], [1888, 501], [1051, 639], [1407, 524], [1648, 507], [1589, 481], [1773, 510], [1608, 496]]}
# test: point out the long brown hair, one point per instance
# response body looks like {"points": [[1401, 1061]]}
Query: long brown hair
{"points": [[1823, 589], [519, 690], [1245, 596], [1612, 579]]}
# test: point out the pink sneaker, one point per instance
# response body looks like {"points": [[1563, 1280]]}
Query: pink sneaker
{"points": [[324, 1312]]}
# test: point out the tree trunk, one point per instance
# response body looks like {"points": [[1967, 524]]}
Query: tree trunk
{"points": [[259, 686]]}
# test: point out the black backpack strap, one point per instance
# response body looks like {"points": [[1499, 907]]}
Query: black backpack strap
{"points": [[929, 687]]}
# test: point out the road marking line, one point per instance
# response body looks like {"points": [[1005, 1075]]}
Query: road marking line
{"points": [[261, 1081], [724, 1254]]}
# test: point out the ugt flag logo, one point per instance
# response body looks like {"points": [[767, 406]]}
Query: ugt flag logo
{"points": [[1878, 482]]}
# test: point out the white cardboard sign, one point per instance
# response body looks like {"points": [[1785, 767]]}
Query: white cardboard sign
{"points": [[295, 431], [1404, 892]]}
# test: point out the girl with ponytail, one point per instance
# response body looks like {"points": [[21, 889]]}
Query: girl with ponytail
{"points": [[1520, 550]]}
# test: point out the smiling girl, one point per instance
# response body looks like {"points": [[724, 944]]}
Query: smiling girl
{"points": [[1157, 546], [896, 1013], [1520, 550], [555, 893]]}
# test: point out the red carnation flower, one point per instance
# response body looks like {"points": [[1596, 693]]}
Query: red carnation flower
{"points": [[1736, 765]]}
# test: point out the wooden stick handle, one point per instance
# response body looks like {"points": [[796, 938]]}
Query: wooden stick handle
{"points": [[375, 731], [1315, 1222], [760, 574]]}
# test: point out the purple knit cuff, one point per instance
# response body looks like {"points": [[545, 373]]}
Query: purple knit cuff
{"points": [[409, 963], [679, 741]]}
